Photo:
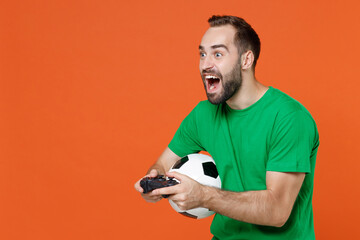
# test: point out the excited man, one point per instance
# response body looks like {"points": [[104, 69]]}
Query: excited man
{"points": [[264, 144]]}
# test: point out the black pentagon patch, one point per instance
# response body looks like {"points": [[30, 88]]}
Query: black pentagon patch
{"points": [[181, 162], [210, 169], [186, 214]]}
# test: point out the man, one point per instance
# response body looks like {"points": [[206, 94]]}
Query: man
{"points": [[264, 144]]}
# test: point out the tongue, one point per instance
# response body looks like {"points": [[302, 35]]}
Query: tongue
{"points": [[213, 84]]}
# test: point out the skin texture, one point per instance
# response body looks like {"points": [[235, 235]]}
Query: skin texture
{"points": [[218, 57], [271, 207]]}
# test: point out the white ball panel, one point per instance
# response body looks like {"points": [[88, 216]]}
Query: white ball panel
{"points": [[193, 168]]}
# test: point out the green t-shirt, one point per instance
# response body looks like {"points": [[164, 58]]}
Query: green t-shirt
{"points": [[274, 134]]}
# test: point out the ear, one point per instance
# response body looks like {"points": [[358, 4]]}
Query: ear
{"points": [[247, 60]]}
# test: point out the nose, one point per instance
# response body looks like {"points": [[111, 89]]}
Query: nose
{"points": [[206, 63]]}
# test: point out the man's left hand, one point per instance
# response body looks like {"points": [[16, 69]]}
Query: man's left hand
{"points": [[187, 195]]}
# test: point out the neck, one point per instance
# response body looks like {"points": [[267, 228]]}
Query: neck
{"points": [[249, 92]]}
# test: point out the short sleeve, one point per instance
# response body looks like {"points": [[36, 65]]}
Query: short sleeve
{"points": [[186, 139], [293, 139]]}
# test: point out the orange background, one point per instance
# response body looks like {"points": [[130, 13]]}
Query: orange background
{"points": [[91, 92]]}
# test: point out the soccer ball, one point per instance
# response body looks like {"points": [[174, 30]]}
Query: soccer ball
{"points": [[201, 168]]}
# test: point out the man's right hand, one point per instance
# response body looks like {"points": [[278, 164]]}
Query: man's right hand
{"points": [[149, 197], [163, 164]]}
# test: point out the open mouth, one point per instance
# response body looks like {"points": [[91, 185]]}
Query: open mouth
{"points": [[212, 83]]}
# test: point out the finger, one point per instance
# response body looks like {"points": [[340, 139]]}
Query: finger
{"points": [[152, 199], [153, 194], [138, 187], [179, 204], [166, 190], [153, 173], [173, 197], [176, 175]]}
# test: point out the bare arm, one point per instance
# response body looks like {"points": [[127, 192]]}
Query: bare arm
{"points": [[270, 207], [164, 162]]}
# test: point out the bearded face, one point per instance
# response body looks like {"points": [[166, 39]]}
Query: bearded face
{"points": [[221, 88], [220, 66]]}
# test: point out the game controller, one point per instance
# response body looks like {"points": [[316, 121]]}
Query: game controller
{"points": [[151, 183]]}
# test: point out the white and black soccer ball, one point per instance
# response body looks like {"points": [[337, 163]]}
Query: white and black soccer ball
{"points": [[201, 168]]}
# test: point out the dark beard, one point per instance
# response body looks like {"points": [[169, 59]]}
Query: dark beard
{"points": [[230, 83]]}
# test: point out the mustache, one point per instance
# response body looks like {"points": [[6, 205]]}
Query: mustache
{"points": [[208, 71], [211, 72]]}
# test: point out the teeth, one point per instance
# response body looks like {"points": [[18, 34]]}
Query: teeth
{"points": [[211, 87], [209, 76]]}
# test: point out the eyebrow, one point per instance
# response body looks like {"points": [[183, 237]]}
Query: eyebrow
{"points": [[215, 46]]}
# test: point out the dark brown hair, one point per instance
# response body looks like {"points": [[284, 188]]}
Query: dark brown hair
{"points": [[245, 38]]}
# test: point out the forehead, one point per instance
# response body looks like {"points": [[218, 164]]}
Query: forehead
{"points": [[219, 35]]}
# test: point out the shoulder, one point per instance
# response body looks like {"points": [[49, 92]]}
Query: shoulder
{"points": [[284, 105], [289, 112]]}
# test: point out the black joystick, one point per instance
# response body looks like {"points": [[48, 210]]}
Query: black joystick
{"points": [[151, 183]]}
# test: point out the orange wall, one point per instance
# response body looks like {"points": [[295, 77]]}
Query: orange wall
{"points": [[91, 92]]}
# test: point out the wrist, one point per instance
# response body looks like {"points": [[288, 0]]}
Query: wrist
{"points": [[208, 194]]}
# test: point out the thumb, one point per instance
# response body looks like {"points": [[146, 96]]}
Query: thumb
{"points": [[153, 173], [176, 175]]}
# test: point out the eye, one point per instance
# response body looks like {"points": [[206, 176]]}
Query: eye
{"points": [[218, 54], [202, 54]]}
